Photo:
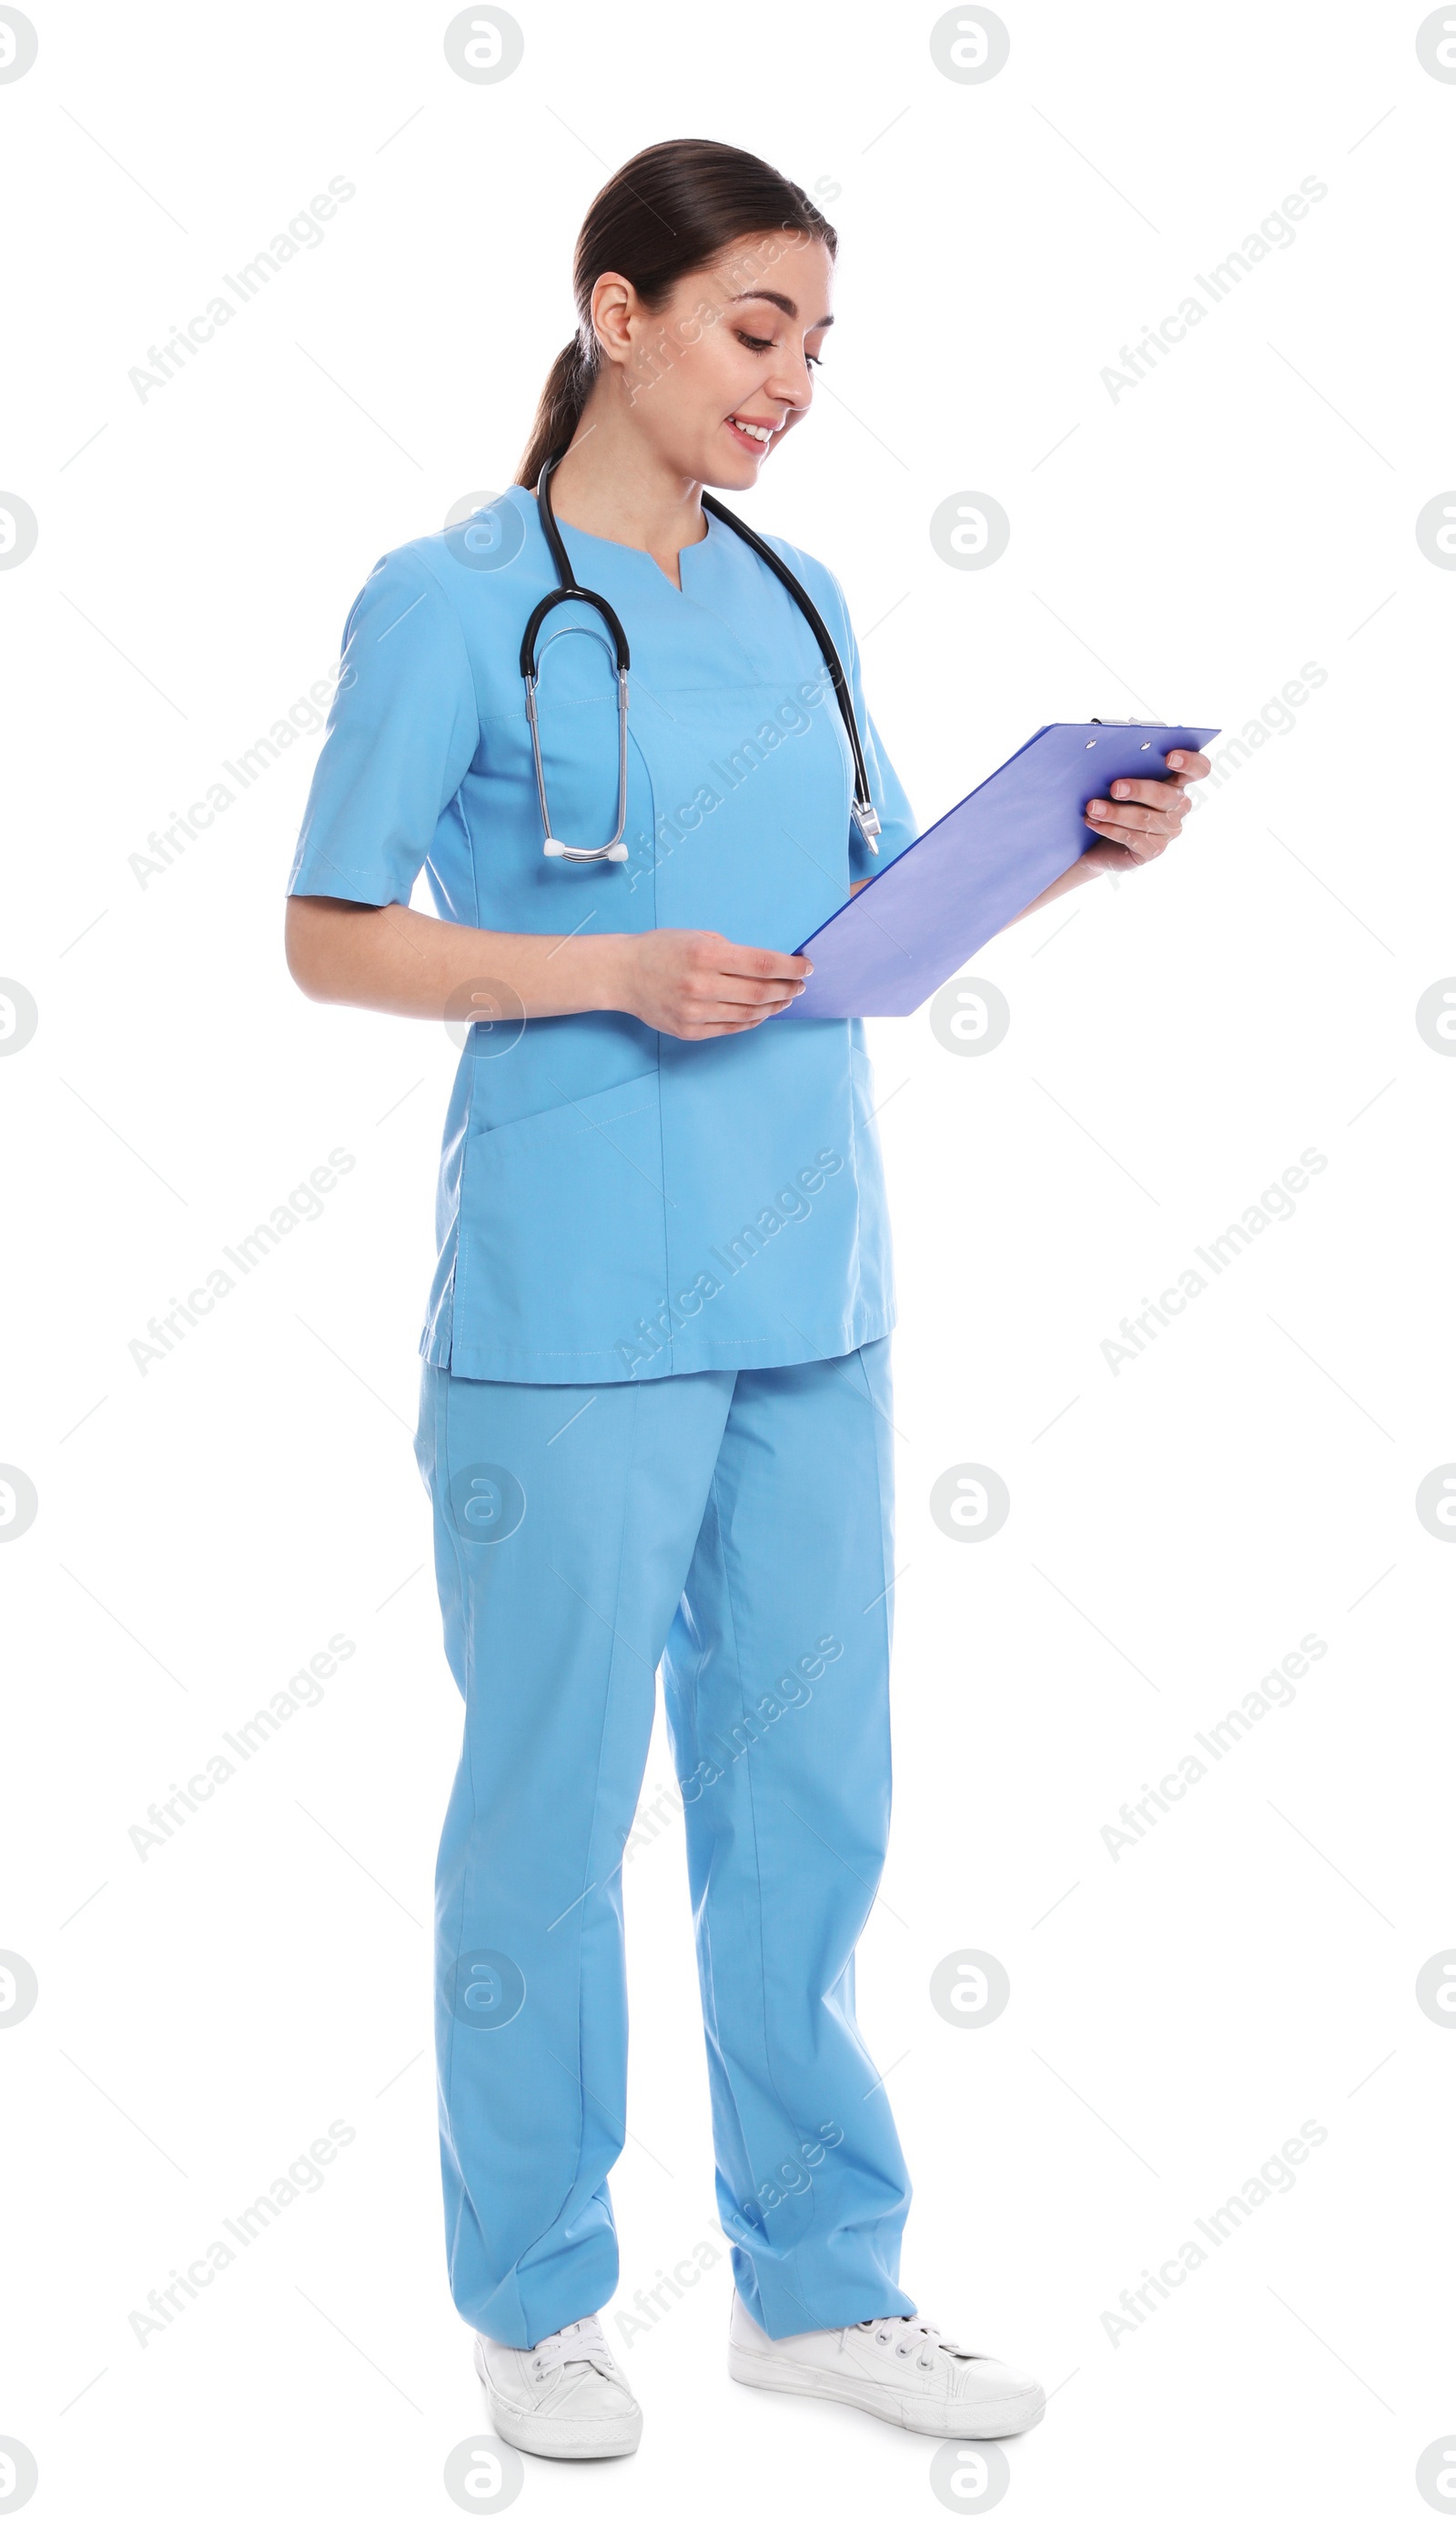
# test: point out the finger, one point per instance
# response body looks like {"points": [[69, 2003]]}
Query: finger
{"points": [[711, 1032], [732, 990], [1158, 793], [761, 963], [730, 1011], [1136, 843], [1123, 821], [1189, 765]]}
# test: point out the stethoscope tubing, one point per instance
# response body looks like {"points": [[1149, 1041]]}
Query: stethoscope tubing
{"points": [[864, 807], [570, 590]]}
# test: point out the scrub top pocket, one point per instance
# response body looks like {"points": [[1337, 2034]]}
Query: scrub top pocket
{"points": [[531, 1263]]}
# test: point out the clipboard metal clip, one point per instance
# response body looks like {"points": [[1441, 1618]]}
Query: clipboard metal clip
{"points": [[1128, 722]]}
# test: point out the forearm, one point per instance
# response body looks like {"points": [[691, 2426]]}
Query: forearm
{"points": [[1079, 873], [402, 962]]}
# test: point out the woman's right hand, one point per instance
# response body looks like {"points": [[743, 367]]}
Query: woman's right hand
{"points": [[694, 984], [685, 981]]}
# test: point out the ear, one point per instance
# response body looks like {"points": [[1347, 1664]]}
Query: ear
{"points": [[614, 304]]}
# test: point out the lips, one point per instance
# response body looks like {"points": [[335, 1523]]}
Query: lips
{"points": [[745, 436]]}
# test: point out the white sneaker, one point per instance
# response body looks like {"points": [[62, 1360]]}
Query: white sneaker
{"points": [[564, 2396], [898, 2369]]}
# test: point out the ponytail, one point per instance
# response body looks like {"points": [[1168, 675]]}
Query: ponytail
{"points": [[563, 399], [670, 210]]}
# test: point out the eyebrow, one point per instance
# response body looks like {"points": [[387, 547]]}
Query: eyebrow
{"points": [[785, 305]]}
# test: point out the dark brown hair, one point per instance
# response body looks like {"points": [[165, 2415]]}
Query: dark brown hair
{"points": [[668, 212]]}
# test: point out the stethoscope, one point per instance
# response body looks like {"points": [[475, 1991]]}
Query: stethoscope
{"points": [[570, 593]]}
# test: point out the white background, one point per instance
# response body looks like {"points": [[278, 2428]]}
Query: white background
{"points": [[1176, 1041]]}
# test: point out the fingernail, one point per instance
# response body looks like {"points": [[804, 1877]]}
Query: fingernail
{"points": [[1175, 762], [1097, 806], [1120, 789]]}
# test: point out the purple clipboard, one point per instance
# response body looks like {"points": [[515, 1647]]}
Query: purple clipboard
{"points": [[923, 917]]}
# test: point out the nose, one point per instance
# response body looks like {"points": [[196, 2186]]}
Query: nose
{"points": [[792, 383]]}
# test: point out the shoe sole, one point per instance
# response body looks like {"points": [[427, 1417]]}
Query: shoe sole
{"points": [[558, 2438], [1003, 2417]]}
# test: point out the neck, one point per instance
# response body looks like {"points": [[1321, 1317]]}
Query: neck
{"points": [[611, 481]]}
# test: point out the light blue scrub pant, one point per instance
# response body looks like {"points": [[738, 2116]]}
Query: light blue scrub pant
{"points": [[734, 1527]]}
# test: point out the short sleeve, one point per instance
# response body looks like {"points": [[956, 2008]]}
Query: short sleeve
{"points": [[401, 734]]}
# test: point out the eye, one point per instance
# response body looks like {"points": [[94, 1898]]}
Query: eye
{"points": [[812, 361], [751, 342]]}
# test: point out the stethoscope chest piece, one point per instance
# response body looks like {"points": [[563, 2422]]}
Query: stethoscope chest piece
{"points": [[569, 593]]}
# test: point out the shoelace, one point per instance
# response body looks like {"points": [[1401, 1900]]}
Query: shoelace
{"points": [[916, 2338], [581, 2341]]}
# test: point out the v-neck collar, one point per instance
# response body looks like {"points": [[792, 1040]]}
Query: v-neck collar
{"points": [[636, 551]]}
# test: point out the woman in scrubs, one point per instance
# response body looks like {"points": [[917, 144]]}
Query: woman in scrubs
{"points": [[655, 1404]]}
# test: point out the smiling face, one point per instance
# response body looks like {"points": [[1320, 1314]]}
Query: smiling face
{"points": [[717, 376]]}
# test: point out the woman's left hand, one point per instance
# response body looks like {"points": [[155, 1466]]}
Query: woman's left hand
{"points": [[1142, 816]]}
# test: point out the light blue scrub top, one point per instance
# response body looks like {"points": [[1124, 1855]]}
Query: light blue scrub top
{"points": [[614, 1203]]}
